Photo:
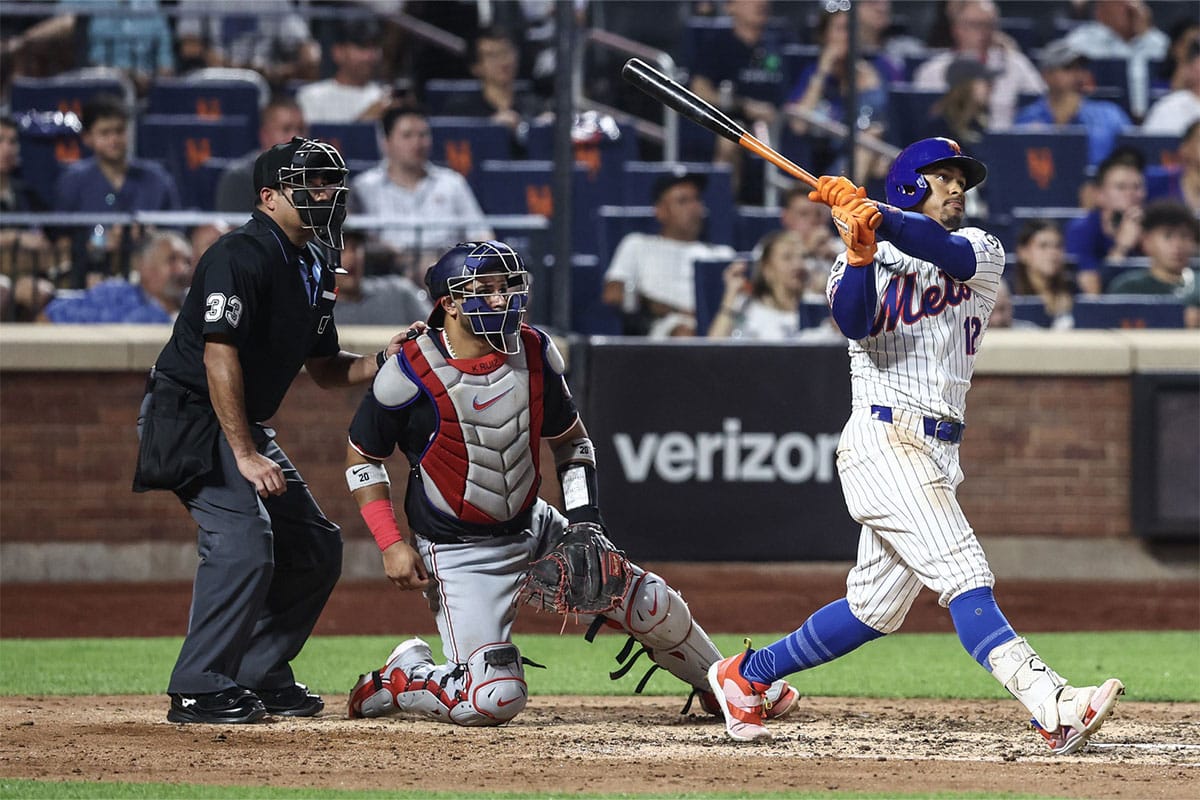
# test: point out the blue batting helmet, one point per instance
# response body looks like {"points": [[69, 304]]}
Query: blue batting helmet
{"points": [[906, 185], [454, 275]]}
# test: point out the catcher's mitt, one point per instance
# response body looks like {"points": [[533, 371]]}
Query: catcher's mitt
{"points": [[583, 574]]}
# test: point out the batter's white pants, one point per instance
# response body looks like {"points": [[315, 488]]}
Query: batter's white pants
{"points": [[900, 485]]}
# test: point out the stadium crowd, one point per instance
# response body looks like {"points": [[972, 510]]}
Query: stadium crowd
{"points": [[1099, 102]]}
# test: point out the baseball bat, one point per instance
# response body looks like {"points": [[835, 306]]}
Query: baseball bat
{"points": [[671, 94]]}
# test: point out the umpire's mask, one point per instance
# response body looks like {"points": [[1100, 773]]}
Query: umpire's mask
{"points": [[305, 166], [473, 274]]}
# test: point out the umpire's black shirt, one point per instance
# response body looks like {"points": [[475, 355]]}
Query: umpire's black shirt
{"points": [[250, 286]]}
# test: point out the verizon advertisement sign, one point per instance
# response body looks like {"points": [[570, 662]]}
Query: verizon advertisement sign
{"points": [[719, 452]]}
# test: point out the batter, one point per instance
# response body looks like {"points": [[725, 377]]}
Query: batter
{"points": [[915, 307]]}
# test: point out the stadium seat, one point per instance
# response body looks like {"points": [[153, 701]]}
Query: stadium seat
{"points": [[589, 315], [1128, 311], [199, 189], [710, 288], [463, 143], [638, 183], [354, 140], [69, 91], [212, 94], [1033, 167], [908, 113], [1030, 309], [184, 144], [525, 187], [1111, 76], [1159, 150], [751, 224], [605, 160]]}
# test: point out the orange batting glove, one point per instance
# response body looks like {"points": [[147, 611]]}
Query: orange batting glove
{"points": [[835, 190], [856, 223]]}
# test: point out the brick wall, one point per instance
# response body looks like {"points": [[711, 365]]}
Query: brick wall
{"points": [[1042, 455]]}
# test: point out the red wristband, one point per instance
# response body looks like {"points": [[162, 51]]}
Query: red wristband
{"points": [[381, 520]]}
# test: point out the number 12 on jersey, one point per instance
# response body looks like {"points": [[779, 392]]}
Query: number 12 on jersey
{"points": [[972, 327]]}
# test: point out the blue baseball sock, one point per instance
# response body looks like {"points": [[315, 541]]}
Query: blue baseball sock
{"points": [[979, 623], [828, 634]]}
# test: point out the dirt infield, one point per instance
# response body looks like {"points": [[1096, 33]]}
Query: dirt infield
{"points": [[567, 745], [623, 744]]}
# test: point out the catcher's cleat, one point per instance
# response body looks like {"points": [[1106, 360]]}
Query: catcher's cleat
{"points": [[232, 706], [291, 701], [375, 693], [1081, 712], [741, 701]]}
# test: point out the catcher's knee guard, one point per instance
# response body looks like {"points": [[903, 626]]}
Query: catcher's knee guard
{"points": [[495, 689], [657, 617]]}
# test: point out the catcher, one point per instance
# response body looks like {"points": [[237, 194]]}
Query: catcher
{"points": [[469, 401]]}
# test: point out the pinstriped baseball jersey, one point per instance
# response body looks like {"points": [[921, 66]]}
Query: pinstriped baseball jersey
{"points": [[928, 327]]}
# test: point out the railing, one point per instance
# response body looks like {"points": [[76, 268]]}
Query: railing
{"points": [[665, 134]]}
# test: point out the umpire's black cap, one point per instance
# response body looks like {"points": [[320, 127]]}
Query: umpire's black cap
{"points": [[270, 162]]}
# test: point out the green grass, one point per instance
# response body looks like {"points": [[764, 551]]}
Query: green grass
{"points": [[38, 790], [1153, 665]]}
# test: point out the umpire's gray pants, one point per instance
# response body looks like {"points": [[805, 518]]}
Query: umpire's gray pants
{"points": [[266, 569]]}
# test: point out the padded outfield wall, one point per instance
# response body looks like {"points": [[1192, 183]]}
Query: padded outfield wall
{"points": [[708, 451]]}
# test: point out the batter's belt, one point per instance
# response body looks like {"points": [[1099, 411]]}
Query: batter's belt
{"points": [[945, 430]]}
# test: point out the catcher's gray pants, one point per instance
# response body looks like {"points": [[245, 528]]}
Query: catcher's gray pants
{"points": [[266, 569]]}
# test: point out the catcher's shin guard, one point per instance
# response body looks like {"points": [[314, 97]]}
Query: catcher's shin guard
{"points": [[657, 617], [495, 689]]}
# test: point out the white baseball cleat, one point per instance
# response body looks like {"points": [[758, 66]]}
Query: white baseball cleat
{"points": [[1081, 712], [741, 700]]}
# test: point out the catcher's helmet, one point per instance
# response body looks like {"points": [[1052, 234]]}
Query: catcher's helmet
{"points": [[305, 165], [906, 185], [454, 275]]}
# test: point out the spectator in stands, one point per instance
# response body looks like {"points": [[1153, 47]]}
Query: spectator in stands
{"points": [[881, 41], [27, 259], [131, 35], [1041, 270], [219, 33], [1066, 102], [741, 71], [651, 277], [961, 113], [1123, 29], [375, 299], [204, 236], [821, 89], [810, 221], [767, 306], [434, 204], [494, 63], [352, 94], [1170, 239], [109, 181], [163, 265], [1110, 232], [1174, 112], [278, 123], [1184, 180], [974, 28]]}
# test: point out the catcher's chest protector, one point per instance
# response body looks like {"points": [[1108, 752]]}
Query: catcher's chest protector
{"points": [[481, 466]]}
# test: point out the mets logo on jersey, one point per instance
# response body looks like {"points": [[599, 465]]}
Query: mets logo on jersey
{"points": [[901, 304]]}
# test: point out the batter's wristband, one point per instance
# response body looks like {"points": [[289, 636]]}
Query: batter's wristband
{"points": [[381, 521]]}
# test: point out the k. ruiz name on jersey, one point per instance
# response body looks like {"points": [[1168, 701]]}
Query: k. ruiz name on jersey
{"points": [[730, 455], [900, 302]]}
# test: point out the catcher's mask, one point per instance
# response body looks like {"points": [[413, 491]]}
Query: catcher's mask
{"points": [[307, 166], [906, 185], [463, 274]]}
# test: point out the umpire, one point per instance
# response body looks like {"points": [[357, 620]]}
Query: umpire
{"points": [[259, 309]]}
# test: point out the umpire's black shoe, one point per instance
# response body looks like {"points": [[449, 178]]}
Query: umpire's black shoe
{"points": [[233, 706], [291, 701]]}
